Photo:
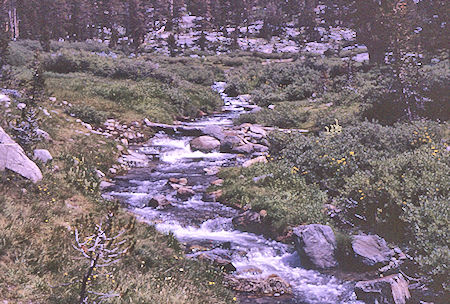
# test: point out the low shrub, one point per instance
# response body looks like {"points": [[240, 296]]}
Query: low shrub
{"points": [[107, 65], [87, 114], [287, 198]]}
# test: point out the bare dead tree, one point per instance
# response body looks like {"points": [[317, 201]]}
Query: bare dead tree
{"points": [[102, 249]]}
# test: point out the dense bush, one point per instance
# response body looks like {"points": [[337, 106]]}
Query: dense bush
{"points": [[287, 198], [105, 65], [383, 178], [430, 224]]}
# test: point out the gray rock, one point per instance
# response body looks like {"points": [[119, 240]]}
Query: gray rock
{"points": [[184, 192], [258, 130], [260, 148], [158, 201], [12, 157], [218, 261], [105, 185], [21, 106], [42, 155], [392, 289], [256, 110], [230, 142], [316, 246], [371, 250], [244, 149], [205, 144], [214, 131], [44, 135]]}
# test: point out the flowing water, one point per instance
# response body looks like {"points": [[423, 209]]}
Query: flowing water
{"points": [[202, 221]]}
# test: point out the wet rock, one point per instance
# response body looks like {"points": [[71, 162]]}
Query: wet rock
{"points": [[215, 195], [244, 149], [371, 250], [271, 285], [392, 289], [158, 201], [12, 157], [251, 162], [185, 192], [134, 160], [105, 185], [217, 261], [174, 180], [205, 144], [214, 131], [249, 221], [211, 170], [224, 264], [257, 130], [42, 155], [183, 181], [260, 148], [316, 246], [229, 142]]}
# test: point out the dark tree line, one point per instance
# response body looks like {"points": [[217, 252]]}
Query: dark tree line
{"points": [[110, 20]]}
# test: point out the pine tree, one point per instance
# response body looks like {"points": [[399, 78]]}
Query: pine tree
{"points": [[172, 45], [136, 23], [4, 37]]}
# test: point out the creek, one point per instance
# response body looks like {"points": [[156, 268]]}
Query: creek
{"points": [[201, 222]]}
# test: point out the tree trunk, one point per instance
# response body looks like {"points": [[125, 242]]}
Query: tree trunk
{"points": [[377, 52]]}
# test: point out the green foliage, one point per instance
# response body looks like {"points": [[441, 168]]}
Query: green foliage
{"points": [[429, 220], [104, 65], [83, 176], [386, 179], [87, 114], [284, 194]]}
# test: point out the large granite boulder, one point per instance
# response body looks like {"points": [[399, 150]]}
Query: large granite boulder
{"points": [[205, 144], [371, 250], [13, 157], [316, 246], [392, 289]]}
